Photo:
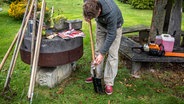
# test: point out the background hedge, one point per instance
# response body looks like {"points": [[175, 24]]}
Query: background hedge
{"points": [[140, 4]]}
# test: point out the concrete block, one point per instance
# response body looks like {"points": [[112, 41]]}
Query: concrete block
{"points": [[51, 76]]}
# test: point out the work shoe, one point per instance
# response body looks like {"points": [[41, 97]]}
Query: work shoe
{"points": [[89, 80], [108, 90]]}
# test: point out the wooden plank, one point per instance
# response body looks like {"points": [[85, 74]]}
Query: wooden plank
{"points": [[136, 28], [125, 49], [143, 32], [182, 33]]}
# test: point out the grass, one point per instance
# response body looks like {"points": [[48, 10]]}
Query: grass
{"points": [[73, 90]]}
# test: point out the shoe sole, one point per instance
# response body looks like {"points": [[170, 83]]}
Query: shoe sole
{"points": [[108, 93], [88, 81]]}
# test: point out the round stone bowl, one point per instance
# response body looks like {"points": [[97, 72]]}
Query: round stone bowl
{"points": [[53, 52]]}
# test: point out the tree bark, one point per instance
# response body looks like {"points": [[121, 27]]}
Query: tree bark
{"points": [[158, 18], [167, 15], [175, 22]]}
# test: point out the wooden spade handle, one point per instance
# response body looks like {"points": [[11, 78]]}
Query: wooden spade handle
{"points": [[91, 40]]}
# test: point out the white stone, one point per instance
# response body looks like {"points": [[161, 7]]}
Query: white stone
{"points": [[50, 77]]}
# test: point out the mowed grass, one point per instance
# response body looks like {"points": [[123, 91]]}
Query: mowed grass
{"points": [[149, 89]]}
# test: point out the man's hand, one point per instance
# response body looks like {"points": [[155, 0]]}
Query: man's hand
{"points": [[99, 59], [87, 20]]}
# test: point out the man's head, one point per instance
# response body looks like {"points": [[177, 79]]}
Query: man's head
{"points": [[91, 9]]}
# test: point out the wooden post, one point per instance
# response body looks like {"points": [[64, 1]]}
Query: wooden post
{"points": [[36, 53], [158, 18], [175, 22]]}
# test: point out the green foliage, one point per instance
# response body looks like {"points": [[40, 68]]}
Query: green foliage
{"points": [[1, 3], [8, 1], [142, 4], [55, 17], [17, 9], [183, 5], [124, 1]]}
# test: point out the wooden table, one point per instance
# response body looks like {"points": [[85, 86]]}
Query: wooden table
{"points": [[138, 58]]}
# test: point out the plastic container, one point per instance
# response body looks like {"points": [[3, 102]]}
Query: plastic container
{"points": [[61, 25], [75, 24], [158, 39], [168, 42]]}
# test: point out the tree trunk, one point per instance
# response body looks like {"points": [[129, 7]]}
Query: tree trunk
{"points": [[167, 15], [158, 18], [175, 22]]}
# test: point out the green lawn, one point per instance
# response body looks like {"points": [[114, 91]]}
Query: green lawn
{"points": [[149, 89]]}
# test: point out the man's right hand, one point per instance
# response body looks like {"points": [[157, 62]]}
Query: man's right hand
{"points": [[87, 20]]}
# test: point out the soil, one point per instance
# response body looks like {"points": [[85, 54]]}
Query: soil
{"points": [[171, 75]]}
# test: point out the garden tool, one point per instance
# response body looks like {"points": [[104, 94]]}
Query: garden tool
{"points": [[157, 50], [96, 81], [152, 49], [19, 40], [174, 54], [9, 50], [36, 53]]}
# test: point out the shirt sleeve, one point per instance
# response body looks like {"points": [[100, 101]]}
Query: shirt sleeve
{"points": [[111, 33]]}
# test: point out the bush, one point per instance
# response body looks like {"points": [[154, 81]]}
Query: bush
{"points": [[142, 4], [17, 9], [124, 1], [9, 1], [183, 5]]}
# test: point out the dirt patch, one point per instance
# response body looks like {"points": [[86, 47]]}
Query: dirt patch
{"points": [[171, 75]]}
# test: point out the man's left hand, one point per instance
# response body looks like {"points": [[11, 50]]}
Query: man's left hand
{"points": [[99, 59]]}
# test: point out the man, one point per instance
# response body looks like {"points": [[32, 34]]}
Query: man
{"points": [[108, 35]]}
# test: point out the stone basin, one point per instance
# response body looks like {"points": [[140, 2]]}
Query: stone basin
{"points": [[53, 52]]}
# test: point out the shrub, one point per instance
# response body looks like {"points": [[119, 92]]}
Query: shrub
{"points": [[124, 1], [183, 5], [142, 4], [8, 1], [17, 9]]}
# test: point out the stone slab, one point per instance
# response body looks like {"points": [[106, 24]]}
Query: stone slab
{"points": [[51, 76]]}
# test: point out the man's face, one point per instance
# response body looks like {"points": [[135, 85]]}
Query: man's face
{"points": [[90, 10], [90, 16]]}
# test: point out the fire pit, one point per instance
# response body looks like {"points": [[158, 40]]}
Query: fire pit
{"points": [[53, 52]]}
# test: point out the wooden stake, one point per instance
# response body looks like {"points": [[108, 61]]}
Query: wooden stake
{"points": [[36, 54], [9, 50], [19, 42], [34, 32]]}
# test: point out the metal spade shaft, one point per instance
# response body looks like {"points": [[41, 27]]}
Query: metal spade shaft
{"points": [[96, 81]]}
